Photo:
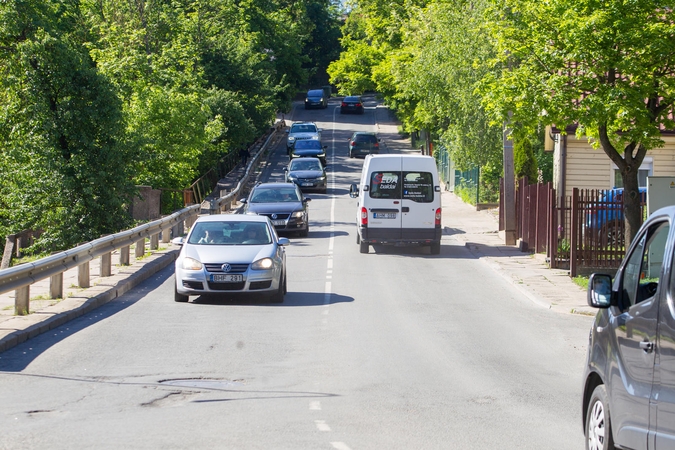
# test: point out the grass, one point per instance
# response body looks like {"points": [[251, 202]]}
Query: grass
{"points": [[581, 281]]}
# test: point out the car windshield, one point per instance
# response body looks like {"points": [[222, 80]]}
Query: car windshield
{"points": [[353, 99], [308, 144], [303, 128], [274, 195], [299, 164], [230, 233], [315, 93]]}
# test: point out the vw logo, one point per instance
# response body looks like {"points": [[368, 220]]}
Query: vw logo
{"points": [[274, 216], [226, 267]]}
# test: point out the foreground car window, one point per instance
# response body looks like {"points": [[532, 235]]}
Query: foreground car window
{"points": [[230, 233]]}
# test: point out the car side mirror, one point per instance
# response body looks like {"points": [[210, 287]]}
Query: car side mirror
{"points": [[285, 169], [353, 191], [283, 241], [177, 241], [599, 290], [287, 131], [325, 146], [243, 200], [306, 199]]}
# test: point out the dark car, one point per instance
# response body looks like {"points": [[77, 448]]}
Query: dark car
{"points": [[605, 218], [351, 104], [363, 143], [628, 393], [307, 173], [309, 148], [316, 98], [283, 203]]}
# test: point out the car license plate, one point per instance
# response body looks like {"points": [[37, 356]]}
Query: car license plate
{"points": [[391, 215], [227, 278], [307, 184], [278, 223]]}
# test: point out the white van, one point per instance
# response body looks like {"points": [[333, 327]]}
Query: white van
{"points": [[399, 202]]}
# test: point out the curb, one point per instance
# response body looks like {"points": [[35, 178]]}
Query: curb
{"points": [[27, 327]]}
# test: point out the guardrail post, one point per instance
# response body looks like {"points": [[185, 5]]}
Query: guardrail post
{"points": [[166, 236], [154, 241], [83, 275], [56, 285], [140, 248], [22, 301], [124, 256], [106, 264]]}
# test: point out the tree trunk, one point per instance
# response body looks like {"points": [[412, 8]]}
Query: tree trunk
{"points": [[631, 202]]}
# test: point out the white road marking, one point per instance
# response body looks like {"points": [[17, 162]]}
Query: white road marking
{"points": [[321, 425], [315, 406], [340, 445]]}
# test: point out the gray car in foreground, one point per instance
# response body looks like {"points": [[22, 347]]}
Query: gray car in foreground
{"points": [[629, 383], [231, 254]]}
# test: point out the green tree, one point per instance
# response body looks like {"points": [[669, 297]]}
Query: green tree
{"points": [[606, 68]]}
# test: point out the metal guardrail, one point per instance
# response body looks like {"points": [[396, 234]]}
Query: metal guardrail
{"points": [[19, 278]]}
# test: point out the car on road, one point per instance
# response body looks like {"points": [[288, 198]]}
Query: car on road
{"points": [[300, 131], [307, 173], [605, 218], [351, 104], [628, 392], [316, 98], [283, 203], [233, 254], [309, 148], [363, 143]]}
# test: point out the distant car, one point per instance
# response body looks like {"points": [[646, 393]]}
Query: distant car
{"points": [[316, 98], [364, 143], [628, 390], [606, 219], [234, 254], [309, 148], [283, 203], [351, 104], [301, 131], [307, 173]]}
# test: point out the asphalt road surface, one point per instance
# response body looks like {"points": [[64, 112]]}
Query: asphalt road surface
{"points": [[395, 349]]}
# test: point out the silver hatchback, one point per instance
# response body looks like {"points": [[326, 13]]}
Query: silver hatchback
{"points": [[231, 254]]}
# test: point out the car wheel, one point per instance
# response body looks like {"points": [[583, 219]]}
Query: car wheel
{"points": [[612, 234], [278, 296], [598, 425], [305, 232], [358, 238], [351, 154], [180, 297], [363, 247], [435, 248]]}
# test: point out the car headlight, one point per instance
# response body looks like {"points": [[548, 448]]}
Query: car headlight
{"points": [[298, 214], [321, 155], [191, 264], [291, 139], [292, 177], [263, 264], [321, 178]]}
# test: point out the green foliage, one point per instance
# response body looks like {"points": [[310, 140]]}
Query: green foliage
{"points": [[524, 161]]}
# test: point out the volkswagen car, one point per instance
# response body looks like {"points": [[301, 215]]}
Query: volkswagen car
{"points": [[233, 254], [307, 173], [310, 147], [283, 203]]}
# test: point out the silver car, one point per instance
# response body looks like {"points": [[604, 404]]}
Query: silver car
{"points": [[301, 131], [231, 254]]}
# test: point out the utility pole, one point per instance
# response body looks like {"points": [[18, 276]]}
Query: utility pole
{"points": [[509, 190]]}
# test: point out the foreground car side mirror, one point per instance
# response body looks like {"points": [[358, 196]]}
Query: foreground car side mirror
{"points": [[177, 241], [353, 191], [306, 199], [243, 200], [283, 241], [599, 291]]}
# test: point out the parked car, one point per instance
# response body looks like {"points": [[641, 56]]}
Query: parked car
{"points": [[628, 395], [316, 98], [363, 143], [234, 254], [301, 131], [309, 148], [606, 218], [351, 104], [307, 173], [283, 203]]}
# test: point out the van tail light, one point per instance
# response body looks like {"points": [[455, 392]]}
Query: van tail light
{"points": [[438, 217], [364, 216]]}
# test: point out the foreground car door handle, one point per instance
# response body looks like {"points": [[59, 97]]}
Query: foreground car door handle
{"points": [[648, 347]]}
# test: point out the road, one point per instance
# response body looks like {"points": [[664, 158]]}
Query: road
{"points": [[395, 349]]}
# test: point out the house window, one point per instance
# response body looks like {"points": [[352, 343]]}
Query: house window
{"points": [[645, 170]]}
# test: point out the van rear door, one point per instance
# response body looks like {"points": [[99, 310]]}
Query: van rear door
{"points": [[418, 199], [384, 202]]}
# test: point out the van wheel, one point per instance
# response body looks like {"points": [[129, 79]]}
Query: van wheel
{"points": [[363, 247], [435, 248], [598, 425]]}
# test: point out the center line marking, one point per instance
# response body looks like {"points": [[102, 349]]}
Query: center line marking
{"points": [[321, 425]]}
